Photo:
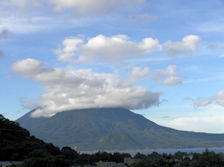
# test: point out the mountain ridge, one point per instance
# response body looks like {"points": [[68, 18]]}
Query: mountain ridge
{"points": [[113, 129]]}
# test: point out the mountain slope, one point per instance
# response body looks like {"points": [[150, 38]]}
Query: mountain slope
{"points": [[111, 129], [16, 144]]}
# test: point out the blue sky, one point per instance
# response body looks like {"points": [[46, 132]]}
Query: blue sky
{"points": [[161, 60]]}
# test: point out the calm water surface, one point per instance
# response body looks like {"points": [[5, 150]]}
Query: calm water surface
{"points": [[168, 151]]}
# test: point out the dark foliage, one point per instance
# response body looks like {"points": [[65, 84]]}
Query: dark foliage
{"points": [[16, 143], [180, 159], [101, 156], [51, 161]]}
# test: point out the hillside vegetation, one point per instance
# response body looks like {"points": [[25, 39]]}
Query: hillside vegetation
{"points": [[113, 129]]}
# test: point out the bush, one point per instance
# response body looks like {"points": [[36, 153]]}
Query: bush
{"points": [[52, 161]]}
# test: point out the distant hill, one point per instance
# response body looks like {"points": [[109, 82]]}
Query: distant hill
{"points": [[113, 129]]}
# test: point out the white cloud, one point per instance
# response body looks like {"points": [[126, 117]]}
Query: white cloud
{"points": [[20, 7], [218, 99], [202, 102], [88, 8], [28, 67], [24, 25], [78, 89], [172, 81], [29, 16], [138, 73], [168, 77], [209, 124], [19, 3], [106, 48], [208, 119], [96, 7], [188, 44], [30, 104], [70, 47], [25, 5], [171, 70]]}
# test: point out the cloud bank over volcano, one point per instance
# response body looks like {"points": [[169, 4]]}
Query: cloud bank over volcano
{"points": [[79, 89]]}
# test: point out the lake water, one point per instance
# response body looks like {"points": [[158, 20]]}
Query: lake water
{"points": [[168, 151]]}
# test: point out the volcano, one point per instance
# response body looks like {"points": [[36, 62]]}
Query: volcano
{"points": [[112, 129]]}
